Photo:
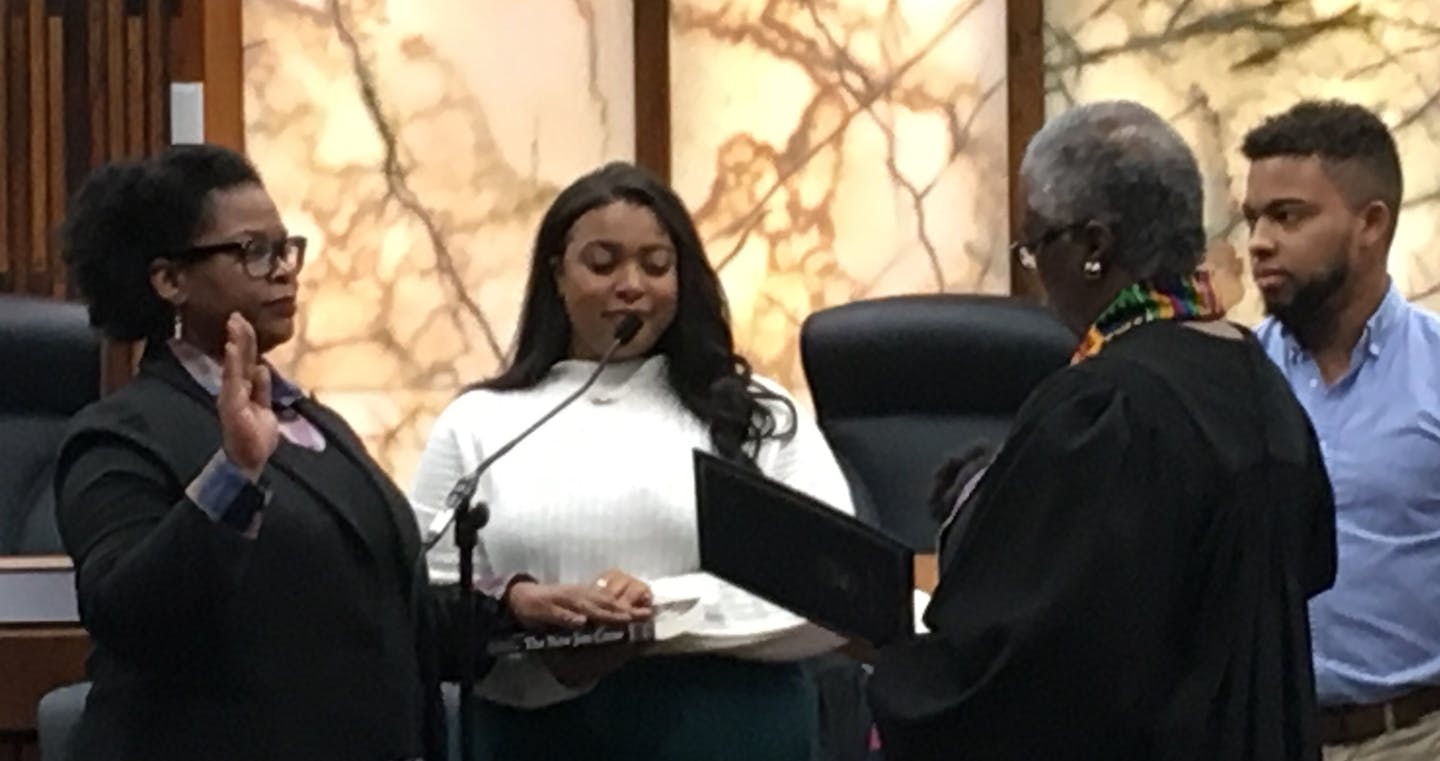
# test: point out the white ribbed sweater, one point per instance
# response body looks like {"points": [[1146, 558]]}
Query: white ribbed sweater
{"points": [[608, 483]]}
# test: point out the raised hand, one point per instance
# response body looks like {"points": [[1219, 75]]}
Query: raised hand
{"points": [[249, 429]]}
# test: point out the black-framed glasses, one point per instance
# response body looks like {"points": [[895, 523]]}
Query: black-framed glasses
{"points": [[1026, 251], [259, 257]]}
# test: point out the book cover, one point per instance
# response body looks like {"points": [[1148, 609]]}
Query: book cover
{"points": [[671, 619]]}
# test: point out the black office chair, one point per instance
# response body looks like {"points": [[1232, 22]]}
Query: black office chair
{"points": [[901, 384], [52, 369]]}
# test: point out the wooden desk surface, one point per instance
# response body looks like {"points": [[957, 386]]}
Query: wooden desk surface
{"points": [[36, 657]]}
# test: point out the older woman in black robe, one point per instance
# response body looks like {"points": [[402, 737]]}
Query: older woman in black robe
{"points": [[1129, 578]]}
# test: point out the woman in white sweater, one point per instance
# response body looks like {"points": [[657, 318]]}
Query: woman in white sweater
{"points": [[599, 503]]}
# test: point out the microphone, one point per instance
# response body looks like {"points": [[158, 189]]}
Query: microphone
{"points": [[464, 489], [469, 519]]}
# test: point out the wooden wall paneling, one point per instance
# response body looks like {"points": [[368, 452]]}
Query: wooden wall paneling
{"points": [[224, 74], [135, 100], [57, 190], [114, 77], [206, 46], [17, 144], [38, 246], [118, 360], [157, 77], [1025, 91], [97, 57], [78, 108], [5, 244], [651, 46]]}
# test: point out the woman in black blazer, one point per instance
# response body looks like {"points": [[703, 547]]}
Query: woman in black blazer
{"points": [[252, 581]]}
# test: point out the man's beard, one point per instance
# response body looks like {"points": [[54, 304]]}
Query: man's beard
{"points": [[1311, 306]]}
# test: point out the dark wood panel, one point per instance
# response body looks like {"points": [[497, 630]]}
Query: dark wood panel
{"points": [[56, 187], [35, 660], [157, 79], [1025, 91], [17, 143], [78, 110], [5, 249], [81, 82], [652, 85], [97, 39], [114, 77], [118, 360], [135, 141], [38, 245], [224, 74]]}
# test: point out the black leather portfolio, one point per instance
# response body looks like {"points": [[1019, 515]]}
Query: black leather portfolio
{"points": [[803, 555]]}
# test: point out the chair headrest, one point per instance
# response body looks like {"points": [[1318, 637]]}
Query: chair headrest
{"points": [[50, 355], [955, 354]]}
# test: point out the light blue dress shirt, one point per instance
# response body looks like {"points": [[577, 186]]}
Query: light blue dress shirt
{"points": [[1377, 631]]}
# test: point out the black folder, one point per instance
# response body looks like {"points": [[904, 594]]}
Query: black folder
{"points": [[803, 555]]}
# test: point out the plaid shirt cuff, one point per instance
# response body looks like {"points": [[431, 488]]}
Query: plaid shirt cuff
{"points": [[226, 495]]}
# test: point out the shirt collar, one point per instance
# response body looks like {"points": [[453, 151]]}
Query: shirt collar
{"points": [[208, 373], [1372, 339]]}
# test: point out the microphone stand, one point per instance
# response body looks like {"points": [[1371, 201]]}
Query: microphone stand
{"points": [[468, 519]]}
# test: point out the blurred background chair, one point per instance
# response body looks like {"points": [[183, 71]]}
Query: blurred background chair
{"points": [[901, 384], [52, 369]]}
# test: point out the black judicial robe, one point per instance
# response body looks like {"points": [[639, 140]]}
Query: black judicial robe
{"points": [[1130, 578]]}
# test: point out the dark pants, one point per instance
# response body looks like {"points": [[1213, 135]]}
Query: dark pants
{"points": [[690, 708]]}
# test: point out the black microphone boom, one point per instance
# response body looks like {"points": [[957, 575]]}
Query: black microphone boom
{"points": [[464, 489], [468, 519]]}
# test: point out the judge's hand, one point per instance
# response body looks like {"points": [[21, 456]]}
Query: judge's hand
{"points": [[248, 426], [569, 606]]}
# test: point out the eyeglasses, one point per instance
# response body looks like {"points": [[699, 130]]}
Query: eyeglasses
{"points": [[259, 257], [1026, 251]]}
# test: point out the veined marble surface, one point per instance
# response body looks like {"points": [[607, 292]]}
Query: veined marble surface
{"points": [[417, 143], [839, 150], [1217, 68], [831, 150]]}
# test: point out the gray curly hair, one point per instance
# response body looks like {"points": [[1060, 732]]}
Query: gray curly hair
{"points": [[1120, 164]]}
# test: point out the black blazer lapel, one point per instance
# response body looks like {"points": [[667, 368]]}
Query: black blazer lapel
{"points": [[161, 363], [339, 433]]}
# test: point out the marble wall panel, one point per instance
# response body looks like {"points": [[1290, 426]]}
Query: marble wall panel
{"points": [[1216, 68], [417, 142], [835, 150]]}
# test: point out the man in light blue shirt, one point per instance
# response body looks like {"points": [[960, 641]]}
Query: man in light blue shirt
{"points": [[1322, 197]]}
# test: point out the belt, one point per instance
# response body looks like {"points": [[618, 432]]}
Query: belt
{"points": [[1350, 724]]}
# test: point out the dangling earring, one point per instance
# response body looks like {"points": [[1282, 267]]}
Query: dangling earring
{"points": [[1093, 269], [179, 326]]}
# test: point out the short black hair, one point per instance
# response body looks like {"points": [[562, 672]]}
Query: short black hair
{"points": [[1345, 137], [129, 213]]}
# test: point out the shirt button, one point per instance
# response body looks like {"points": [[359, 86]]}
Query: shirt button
{"points": [[1314, 382]]}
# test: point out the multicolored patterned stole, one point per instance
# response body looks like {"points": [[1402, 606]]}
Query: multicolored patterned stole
{"points": [[1169, 298]]}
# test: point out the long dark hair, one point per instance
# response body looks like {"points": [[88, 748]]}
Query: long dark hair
{"points": [[711, 380]]}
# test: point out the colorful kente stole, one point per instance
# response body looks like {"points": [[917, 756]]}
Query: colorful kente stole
{"points": [[1168, 298]]}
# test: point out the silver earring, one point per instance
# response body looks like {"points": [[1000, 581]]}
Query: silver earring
{"points": [[1093, 269], [179, 327]]}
